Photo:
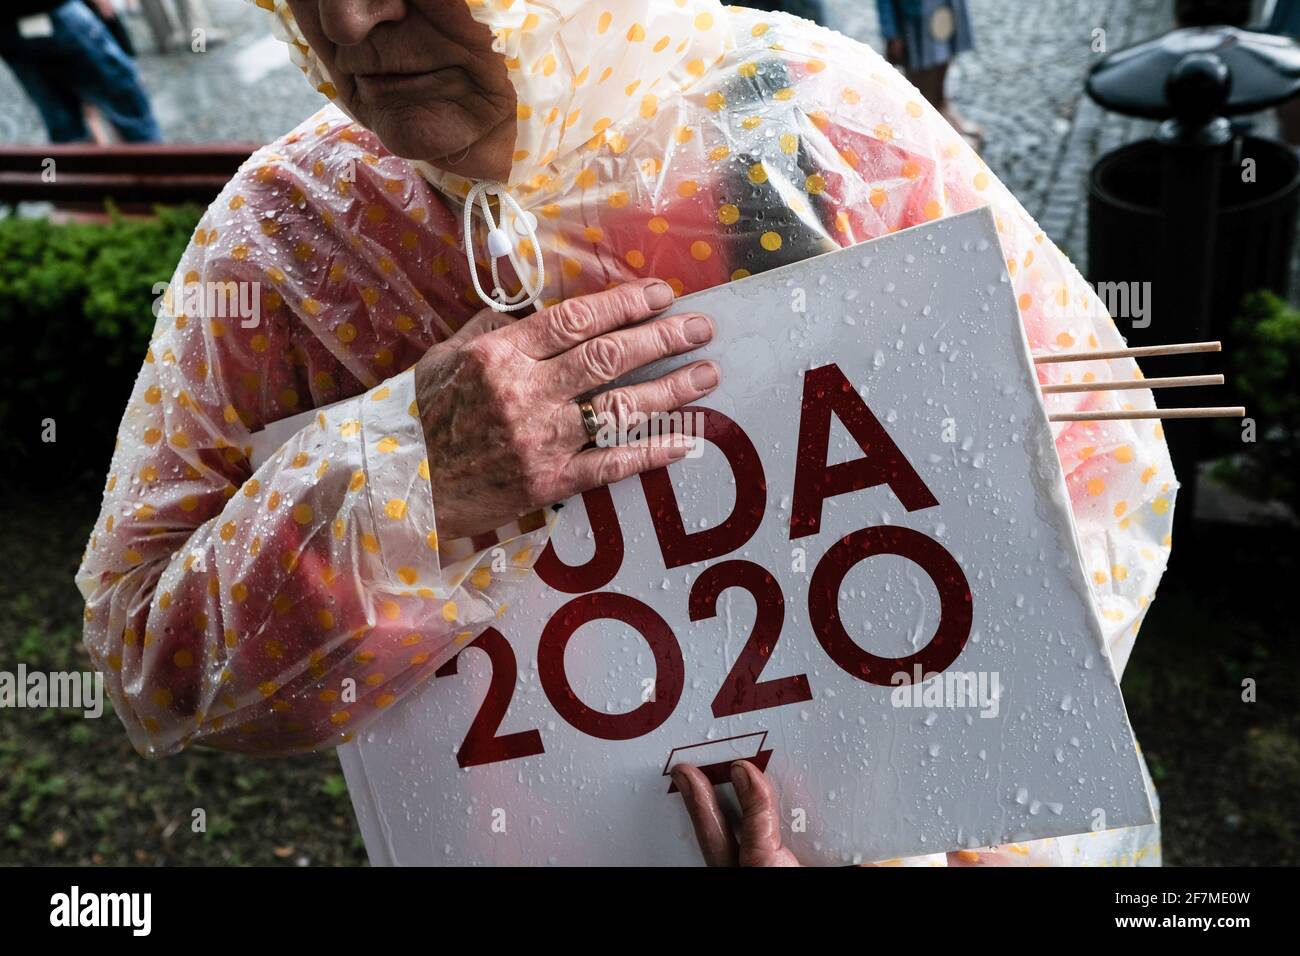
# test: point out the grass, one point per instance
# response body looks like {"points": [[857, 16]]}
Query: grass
{"points": [[73, 791], [1227, 770]]}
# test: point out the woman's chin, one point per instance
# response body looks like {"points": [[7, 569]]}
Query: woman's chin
{"points": [[424, 132]]}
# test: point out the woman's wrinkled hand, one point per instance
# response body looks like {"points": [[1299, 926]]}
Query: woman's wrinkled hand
{"points": [[497, 402], [756, 840]]}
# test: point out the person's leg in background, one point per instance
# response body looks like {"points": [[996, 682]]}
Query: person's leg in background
{"points": [[60, 109], [103, 75], [192, 15], [76, 62], [107, 12], [931, 81], [161, 23], [922, 37]]}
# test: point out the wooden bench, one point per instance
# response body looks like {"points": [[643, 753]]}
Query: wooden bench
{"points": [[135, 175]]}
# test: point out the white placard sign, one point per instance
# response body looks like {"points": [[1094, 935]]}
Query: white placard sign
{"points": [[879, 494]]}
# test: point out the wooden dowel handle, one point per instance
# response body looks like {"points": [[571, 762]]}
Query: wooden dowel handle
{"points": [[1143, 413], [1173, 381], [1181, 348]]}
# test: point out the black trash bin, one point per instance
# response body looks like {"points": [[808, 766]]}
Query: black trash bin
{"points": [[1202, 212], [1254, 230]]}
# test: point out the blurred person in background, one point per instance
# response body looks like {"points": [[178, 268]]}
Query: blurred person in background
{"points": [[64, 56], [923, 37], [111, 17], [159, 17], [173, 24], [193, 15]]}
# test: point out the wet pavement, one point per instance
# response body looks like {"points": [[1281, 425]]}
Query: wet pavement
{"points": [[242, 90]]}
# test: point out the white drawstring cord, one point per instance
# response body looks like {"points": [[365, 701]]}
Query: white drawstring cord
{"points": [[500, 244]]}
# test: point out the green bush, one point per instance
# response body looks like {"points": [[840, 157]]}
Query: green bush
{"points": [[1265, 361], [76, 315]]}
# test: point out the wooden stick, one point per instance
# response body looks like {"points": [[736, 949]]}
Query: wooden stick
{"points": [[1099, 416], [1183, 348], [1173, 381]]}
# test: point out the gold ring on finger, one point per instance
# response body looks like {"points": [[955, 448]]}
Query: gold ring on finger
{"points": [[589, 420]]}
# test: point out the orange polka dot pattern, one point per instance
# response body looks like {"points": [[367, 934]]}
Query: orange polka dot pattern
{"points": [[280, 610], [642, 126], [674, 138]]}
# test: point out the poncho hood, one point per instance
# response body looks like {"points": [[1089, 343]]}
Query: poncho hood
{"points": [[230, 603], [581, 71]]}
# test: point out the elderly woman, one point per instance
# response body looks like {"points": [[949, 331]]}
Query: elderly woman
{"points": [[590, 160]]}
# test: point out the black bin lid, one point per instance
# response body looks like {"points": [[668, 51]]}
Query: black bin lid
{"points": [[1264, 71]]}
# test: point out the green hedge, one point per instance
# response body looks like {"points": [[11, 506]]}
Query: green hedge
{"points": [[1265, 364], [75, 318]]}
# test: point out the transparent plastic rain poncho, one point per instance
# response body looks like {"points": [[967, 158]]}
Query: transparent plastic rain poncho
{"points": [[671, 138]]}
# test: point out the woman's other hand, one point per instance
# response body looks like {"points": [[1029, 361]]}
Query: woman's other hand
{"points": [[756, 841], [497, 402]]}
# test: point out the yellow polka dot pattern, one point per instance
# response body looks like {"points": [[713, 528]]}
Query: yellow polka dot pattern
{"points": [[291, 605], [645, 129]]}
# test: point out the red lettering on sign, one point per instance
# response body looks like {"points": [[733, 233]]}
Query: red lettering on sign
{"points": [[481, 744], [742, 691], [605, 560], [678, 547], [670, 671], [955, 603], [826, 390]]}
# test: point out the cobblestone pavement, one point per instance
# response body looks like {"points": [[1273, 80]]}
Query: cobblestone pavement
{"points": [[242, 90], [1023, 83]]}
